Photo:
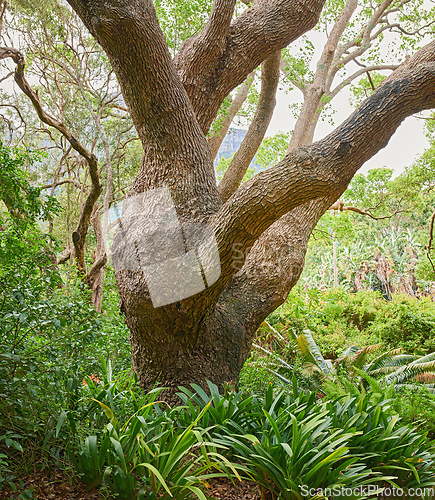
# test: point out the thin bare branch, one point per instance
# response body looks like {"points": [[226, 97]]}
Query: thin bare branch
{"points": [[266, 104], [340, 207], [79, 235], [354, 76], [60, 183], [431, 238], [3, 6], [65, 257], [6, 77], [294, 78], [216, 138]]}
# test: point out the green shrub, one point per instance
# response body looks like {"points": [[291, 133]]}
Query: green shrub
{"points": [[339, 319], [416, 406], [138, 447], [255, 375], [382, 444], [407, 322], [280, 440], [348, 443]]}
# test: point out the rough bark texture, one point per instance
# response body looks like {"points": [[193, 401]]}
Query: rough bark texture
{"points": [[263, 29], [208, 336]]}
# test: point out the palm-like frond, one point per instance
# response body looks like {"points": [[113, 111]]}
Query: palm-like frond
{"points": [[390, 369], [356, 356], [429, 387], [382, 360], [426, 358], [391, 364], [361, 356], [425, 378], [311, 354], [408, 372], [350, 351]]}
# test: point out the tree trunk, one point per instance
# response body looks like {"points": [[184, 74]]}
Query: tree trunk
{"points": [[208, 335], [216, 352]]}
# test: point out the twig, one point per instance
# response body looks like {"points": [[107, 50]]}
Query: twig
{"points": [[429, 244]]}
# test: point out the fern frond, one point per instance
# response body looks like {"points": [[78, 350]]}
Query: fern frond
{"points": [[361, 356], [425, 378], [375, 386], [311, 354], [408, 372], [382, 360]]}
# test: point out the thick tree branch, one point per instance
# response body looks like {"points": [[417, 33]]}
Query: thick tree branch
{"points": [[269, 83], [272, 267], [313, 92], [216, 138], [208, 46], [330, 47], [162, 113], [274, 263], [261, 30], [325, 167]]}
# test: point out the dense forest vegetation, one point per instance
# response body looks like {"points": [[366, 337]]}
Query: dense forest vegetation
{"points": [[337, 396]]}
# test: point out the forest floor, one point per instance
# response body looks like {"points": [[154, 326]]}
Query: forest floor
{"points": [[58, 486]]}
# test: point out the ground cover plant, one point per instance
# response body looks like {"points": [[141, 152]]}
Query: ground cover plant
{"points": [[281, 441], [338, 319]]}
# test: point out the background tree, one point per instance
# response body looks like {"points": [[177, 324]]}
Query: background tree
{"points": [[382, 230], [74, 81]]}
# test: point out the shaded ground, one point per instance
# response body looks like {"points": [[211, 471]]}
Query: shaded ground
{"points": [[59, 486], [225, 490], [56, 486]]}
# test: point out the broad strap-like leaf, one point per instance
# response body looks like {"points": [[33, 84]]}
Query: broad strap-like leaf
{"points": [[311, 353]]}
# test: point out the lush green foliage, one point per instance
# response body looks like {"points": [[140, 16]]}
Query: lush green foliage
{"points": [[50, 336], [58, 398], [357, 347], [339, 319], [134, 444], [383, 250], [282, 441]]}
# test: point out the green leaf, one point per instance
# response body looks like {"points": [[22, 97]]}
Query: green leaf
{"points": [[158, 475]]}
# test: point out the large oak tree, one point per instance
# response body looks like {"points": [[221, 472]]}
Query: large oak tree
{"points": [[264, 224]]}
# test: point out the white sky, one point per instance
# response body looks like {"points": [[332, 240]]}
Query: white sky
{"points": [[405, 145]]}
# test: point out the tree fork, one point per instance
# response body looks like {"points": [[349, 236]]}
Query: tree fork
{"points": [[208, 335]]}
